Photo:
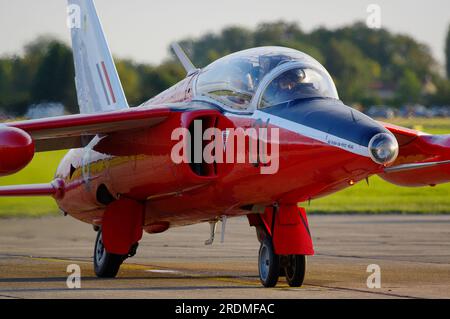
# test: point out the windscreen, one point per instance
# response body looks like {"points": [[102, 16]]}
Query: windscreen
{"points": [[298, 83]]}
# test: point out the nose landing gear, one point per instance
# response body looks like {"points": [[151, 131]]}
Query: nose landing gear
{"points": [[285, 242]]}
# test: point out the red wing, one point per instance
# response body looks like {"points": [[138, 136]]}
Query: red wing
{"points": [[423, 159], [63, 132], [71, 131]]}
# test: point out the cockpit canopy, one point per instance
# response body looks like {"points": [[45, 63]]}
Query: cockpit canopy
{"points": [[263, 77]]}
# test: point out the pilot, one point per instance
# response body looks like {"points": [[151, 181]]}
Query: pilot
{"points": [[288, 86], [289, 80]]}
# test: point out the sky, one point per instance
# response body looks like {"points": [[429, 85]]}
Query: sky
{"points": [[143, 29]]}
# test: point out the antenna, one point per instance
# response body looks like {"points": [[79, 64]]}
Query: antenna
{"points": [[185, 61]]}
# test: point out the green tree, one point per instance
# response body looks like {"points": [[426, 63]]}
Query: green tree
{"points": [[170, 73], [355, 55], [4, 83], [154, 80], [236, 39], [306, 48], [409, 88], [14, 86], [442, 96], [277, 33], [447, 53], [53, 81], [130, 79], [352, 71]]}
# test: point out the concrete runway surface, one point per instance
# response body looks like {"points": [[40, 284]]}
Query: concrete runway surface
{"points": [[412, 251]]}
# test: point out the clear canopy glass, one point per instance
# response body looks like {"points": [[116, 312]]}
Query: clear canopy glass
{"points": [[235, 79], [297, 83]]}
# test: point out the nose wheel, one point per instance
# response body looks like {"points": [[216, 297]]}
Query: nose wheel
{"points": [[295, 270], [106, 265], [268, 264]]}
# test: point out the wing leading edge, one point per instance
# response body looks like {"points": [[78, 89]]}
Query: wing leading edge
{"points": [[65, 132], [74, 131]]}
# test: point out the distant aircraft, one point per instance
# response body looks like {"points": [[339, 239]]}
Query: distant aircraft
{"points": [[146, 168]]}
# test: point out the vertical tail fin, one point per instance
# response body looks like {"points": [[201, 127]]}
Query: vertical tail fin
{"points": [[98, 85]]}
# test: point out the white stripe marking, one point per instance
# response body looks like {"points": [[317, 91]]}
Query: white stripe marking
{"points": [[308, 132]]}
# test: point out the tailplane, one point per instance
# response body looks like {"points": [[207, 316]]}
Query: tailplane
{"points": [[98, 85]]}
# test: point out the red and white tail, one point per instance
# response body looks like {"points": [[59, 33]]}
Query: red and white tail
{"points": [[98, 85]]}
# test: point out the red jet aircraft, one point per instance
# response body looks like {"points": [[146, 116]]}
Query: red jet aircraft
{"points": [[121, 175]]}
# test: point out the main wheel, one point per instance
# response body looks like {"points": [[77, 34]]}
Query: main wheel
{"points": [[295, 270], [106, 265], [268, 264]]}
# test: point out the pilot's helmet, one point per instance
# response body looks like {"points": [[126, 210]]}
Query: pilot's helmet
{"points": [[292, 78]]}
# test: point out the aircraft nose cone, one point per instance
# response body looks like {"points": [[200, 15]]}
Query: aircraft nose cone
{"points": [[383, 148]]}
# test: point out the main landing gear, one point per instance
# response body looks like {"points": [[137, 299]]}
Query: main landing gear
{"points": [[285, 239], [107, 265], [271, 266]]}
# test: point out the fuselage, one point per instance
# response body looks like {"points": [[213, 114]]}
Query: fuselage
{"points": [[323, 148], [138, 164]]}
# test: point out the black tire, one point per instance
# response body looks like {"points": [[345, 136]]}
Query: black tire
{"points": [[295, 270], [268, 264], [106, 265]]}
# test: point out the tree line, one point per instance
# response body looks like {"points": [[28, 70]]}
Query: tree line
{"points": [[368, 66]]}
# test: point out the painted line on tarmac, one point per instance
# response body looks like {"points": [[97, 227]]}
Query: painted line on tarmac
{"points": [[368, 292], [163, 271], [238, 280], [9, 297], [155, 269], [390, 258], [56, 260]]}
